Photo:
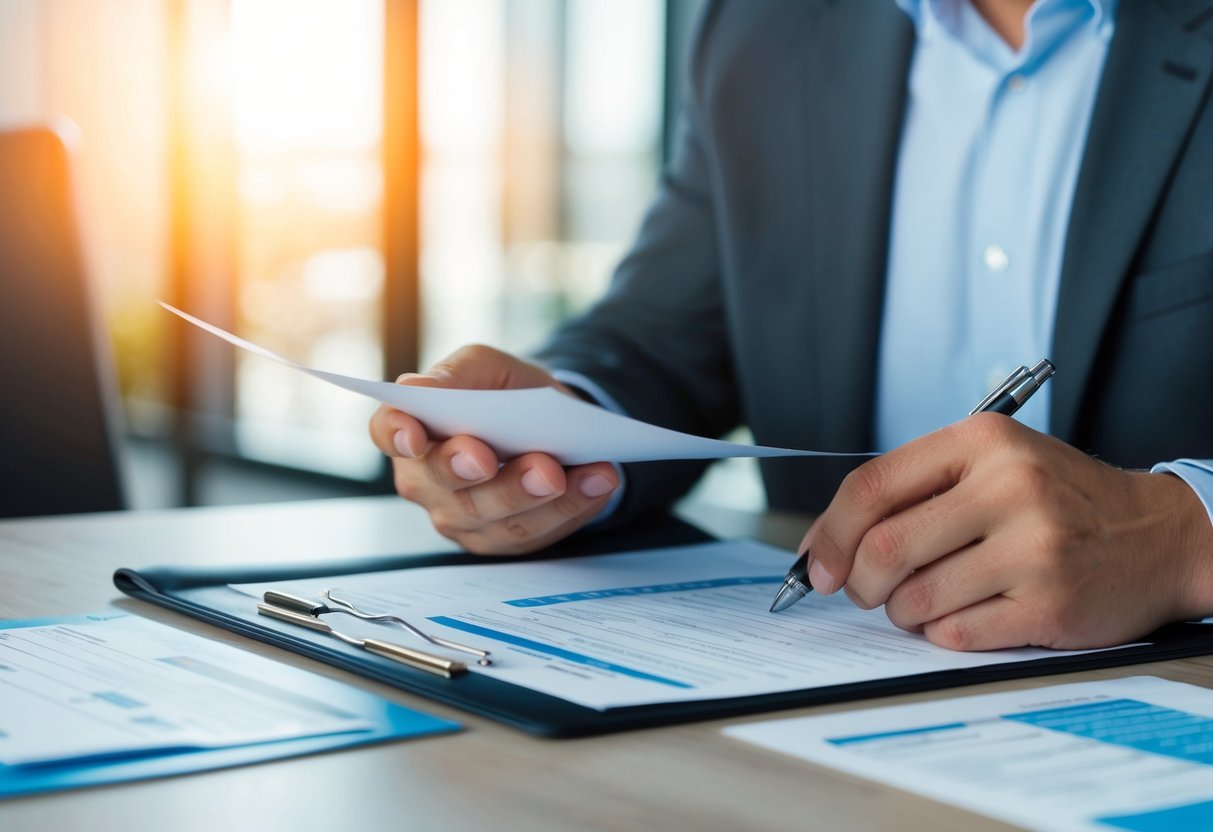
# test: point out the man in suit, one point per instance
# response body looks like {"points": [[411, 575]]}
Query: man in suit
{"points": [[874, 208]]}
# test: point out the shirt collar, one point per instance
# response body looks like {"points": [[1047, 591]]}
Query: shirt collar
{"points": [[1105, 10], [1048, 22]]}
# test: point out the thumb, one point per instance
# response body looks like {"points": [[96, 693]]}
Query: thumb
{"points": [[431, 378], [478, 367]]}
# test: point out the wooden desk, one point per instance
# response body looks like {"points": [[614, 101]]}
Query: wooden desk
{"points": [[488, 776]]}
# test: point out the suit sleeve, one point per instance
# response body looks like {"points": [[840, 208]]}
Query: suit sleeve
{"points": [[658, 341]]}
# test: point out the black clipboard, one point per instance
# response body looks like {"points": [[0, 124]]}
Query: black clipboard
{"points": [[204, 594]]}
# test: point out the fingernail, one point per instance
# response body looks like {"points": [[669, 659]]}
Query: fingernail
{"points": [[822, 581], [536, 484], [595, 485], [401, 441], [465, 467]]}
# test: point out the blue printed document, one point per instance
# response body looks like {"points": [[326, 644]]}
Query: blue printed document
{"points": [[1125, 754], [657, 626], [100, 698]]}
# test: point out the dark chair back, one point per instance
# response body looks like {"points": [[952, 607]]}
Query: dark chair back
{"points": [[58, 395]]}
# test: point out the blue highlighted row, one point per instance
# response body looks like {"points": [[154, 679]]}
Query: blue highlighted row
{"points": [[653, 589], [1195, 817], [1124, 722], [558, 652], [1132, 724], [884, 735]]}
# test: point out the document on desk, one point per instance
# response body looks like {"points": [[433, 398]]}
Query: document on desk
{"points": [[535, 419], [663, 625], [93, 698], [1132, 753]]}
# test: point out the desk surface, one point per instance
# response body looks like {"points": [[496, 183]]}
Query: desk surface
{"points": [[488, 776]]}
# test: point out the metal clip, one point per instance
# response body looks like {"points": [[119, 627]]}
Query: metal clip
{"points": [[347, 607], [1017, 375], [405, 655]]}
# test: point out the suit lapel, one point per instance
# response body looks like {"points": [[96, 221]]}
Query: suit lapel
{"points": [[1154, 81], [855, 102]]}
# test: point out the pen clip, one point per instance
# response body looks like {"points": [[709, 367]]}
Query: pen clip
{"points": [[1017, 375], [1042, 371]]}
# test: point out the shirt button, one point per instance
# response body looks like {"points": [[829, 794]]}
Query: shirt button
{"points": [[1016, 83], [996, 259]]}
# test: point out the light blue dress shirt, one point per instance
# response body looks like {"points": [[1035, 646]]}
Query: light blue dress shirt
{"points": [[988, 161], [989, 158]]}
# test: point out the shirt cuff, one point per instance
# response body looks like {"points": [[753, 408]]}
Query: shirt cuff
{"points": [[604, 400], [1197, 473]]}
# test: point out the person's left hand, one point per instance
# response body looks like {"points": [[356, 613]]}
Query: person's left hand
{"points": [[987, 534]]}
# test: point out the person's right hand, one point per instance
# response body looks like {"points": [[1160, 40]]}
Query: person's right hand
{"points": [[487, 505]]}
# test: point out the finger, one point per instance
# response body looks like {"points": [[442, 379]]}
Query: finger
{"points": [[398, 434], [582, 501], [948, 585], [456, 463], [883, 486], [435, 377], [912, 539], [993, 624], [519, 486]]}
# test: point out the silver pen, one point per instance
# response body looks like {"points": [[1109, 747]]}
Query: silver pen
{"points": [[1006, 398]]}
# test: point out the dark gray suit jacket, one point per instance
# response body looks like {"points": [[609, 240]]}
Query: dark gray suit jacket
{"points": [[753, 292]]}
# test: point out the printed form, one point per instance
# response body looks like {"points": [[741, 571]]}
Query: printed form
{"points": [[664, 625], [117, 685], [1133, 754]]}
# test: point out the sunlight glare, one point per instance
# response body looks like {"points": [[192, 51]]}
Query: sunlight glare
{"points": [[305, 75]]}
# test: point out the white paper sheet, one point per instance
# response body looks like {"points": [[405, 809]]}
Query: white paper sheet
{"points": [[1132, 753], [117, 685], [665, 625], [514, 422]]}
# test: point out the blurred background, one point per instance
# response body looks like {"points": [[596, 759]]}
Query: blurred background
{"points": [[360, 185]]}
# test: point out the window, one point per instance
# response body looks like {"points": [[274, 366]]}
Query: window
{"points": [[541, 127], [308, 172], [307, 97]]}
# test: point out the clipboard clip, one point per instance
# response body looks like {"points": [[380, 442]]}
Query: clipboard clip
{"points": [[405, 655], [285, 600], [305, 613]]}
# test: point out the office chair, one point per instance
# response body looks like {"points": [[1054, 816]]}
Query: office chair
{"points": [[58, 393]]}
